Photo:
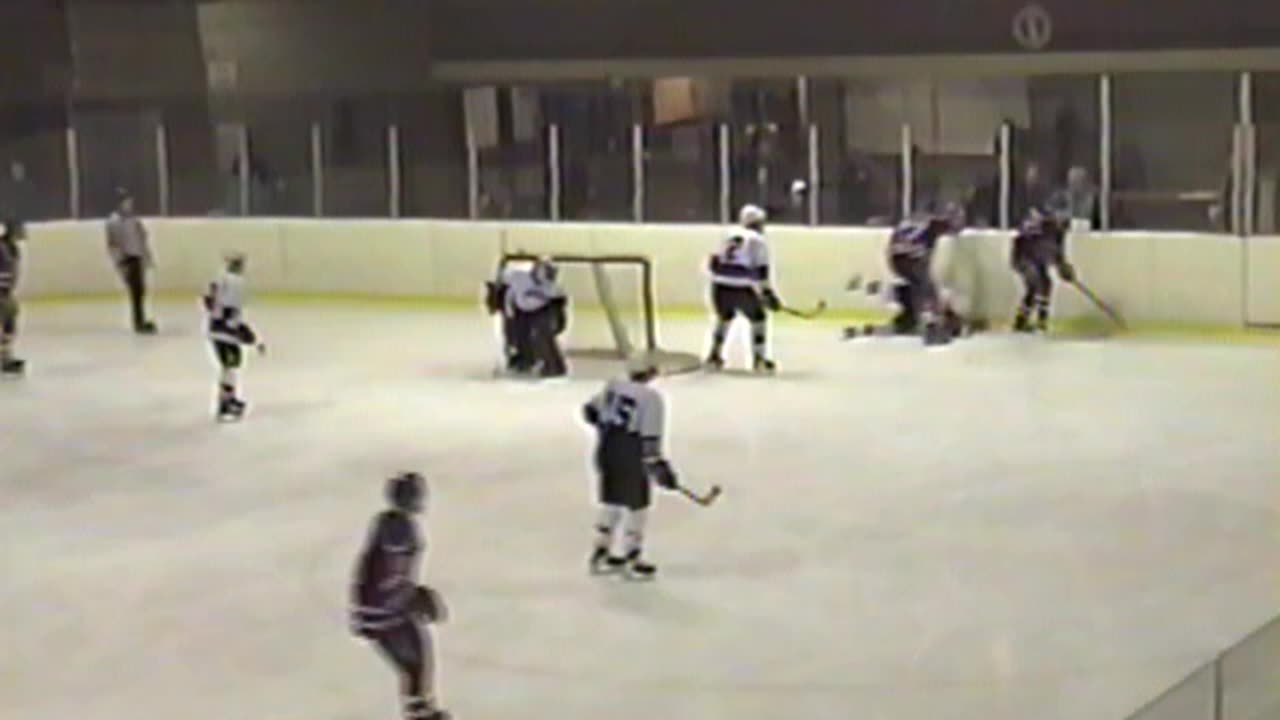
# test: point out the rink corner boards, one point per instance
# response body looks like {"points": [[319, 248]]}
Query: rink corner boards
{"points": [[1066, 328]]}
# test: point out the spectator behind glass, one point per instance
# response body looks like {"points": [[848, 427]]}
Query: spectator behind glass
{"points": [[18, 198], [1078, 201]]}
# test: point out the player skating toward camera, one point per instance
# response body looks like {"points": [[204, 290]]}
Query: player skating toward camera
{"points": [[1039, 245], [229, 332], [10, 269], [910, 253], [534, 314], [629, 417], [390, 608], [740, 285]]}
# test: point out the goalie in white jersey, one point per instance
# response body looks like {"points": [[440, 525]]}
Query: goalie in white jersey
{"points": [[228, 332], [629, 417], [740, 285]]}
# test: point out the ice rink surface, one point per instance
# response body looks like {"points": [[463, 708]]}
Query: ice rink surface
{"points": [[1010, 528]]}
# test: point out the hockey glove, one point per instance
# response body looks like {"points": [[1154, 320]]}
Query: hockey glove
{"points": [[427, 607], [770, 299], [495, 294], [1067, 272], [247, 335], [662, 474], [591, 414]]}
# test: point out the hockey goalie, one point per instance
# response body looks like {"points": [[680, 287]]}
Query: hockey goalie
{"points": [[534, 312]]}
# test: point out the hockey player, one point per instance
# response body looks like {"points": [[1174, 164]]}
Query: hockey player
{"points": [[911, 249], [228, 332], [10, 268], [1039, 244], [629, 416], [740, 285], [389, 608], [534, 312]]}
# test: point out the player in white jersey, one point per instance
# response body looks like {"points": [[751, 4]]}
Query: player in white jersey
{"points": [[740, 285], [629, 417], [228, 332], [533, 306]]}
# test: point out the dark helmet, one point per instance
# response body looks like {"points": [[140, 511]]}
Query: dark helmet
{"points": [[15, 229], [407, 492]]}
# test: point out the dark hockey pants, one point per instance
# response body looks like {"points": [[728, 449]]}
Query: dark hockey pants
{"points": [[135, 280], [1038, 288], [919, 297], [532, 339]]}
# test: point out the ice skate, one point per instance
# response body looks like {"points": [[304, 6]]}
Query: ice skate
{"points": [[714, 362], [764, 365], [600, 562], [634, 568], [12, 367]]}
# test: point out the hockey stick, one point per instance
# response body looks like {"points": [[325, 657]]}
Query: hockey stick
{"points": [[818, 309], [1106, 309], [704, 499]]}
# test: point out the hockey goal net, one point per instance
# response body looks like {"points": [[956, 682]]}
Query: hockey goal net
{"points": [[613, 313]]}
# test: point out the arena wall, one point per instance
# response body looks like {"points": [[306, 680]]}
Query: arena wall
{"points": [[1163, 278]]}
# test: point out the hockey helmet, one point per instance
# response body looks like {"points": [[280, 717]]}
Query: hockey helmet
{"points": [[752, 215], [407, 492], [235, 261], [545, 270], [15, 229]]}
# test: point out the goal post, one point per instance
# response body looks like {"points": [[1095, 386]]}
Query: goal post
{"points": [[612, 307]]}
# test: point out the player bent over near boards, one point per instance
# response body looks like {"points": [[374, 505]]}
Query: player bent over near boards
{"points": [[228, 332], [629, 417], [534, 314], [911, 249], [740, 286], [389, 608], [10, 268], [1039, 244]]}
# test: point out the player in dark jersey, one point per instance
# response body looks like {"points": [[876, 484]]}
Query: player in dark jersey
{"points": [[910, 252], [10, 269], [389, 607], [1039, 244]]}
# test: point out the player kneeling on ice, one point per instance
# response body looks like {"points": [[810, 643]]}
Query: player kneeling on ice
{"points": [[911, 248], [10, 268], [740, 285], [228, 332], [1039, 244], [629, 417], [534, 314], [389, 608]]}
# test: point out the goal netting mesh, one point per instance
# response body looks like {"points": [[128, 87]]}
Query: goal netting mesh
{"points": [[613, 312]]}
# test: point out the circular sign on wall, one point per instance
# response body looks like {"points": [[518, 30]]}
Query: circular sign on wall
{"points": [[1033, 27]]}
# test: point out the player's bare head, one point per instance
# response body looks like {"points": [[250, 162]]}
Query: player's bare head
{"points": [[953, 212], [752, 216], [407, 492], [236, 262], [641, 368]]}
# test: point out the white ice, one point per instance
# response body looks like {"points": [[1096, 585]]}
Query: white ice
{"points": [[1011, 528]]}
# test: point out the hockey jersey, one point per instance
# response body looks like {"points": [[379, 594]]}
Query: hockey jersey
{"points": [[1041, 241], [742, 260], [10, 266], [385, 575], [225, 305], [526, 293], [630, 417], [918, 237]]}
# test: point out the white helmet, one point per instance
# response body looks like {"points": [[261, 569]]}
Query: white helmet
{"points": [[751, 215]]}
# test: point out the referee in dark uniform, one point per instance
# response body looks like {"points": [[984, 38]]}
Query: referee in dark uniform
{"points": [[130, 251]]}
